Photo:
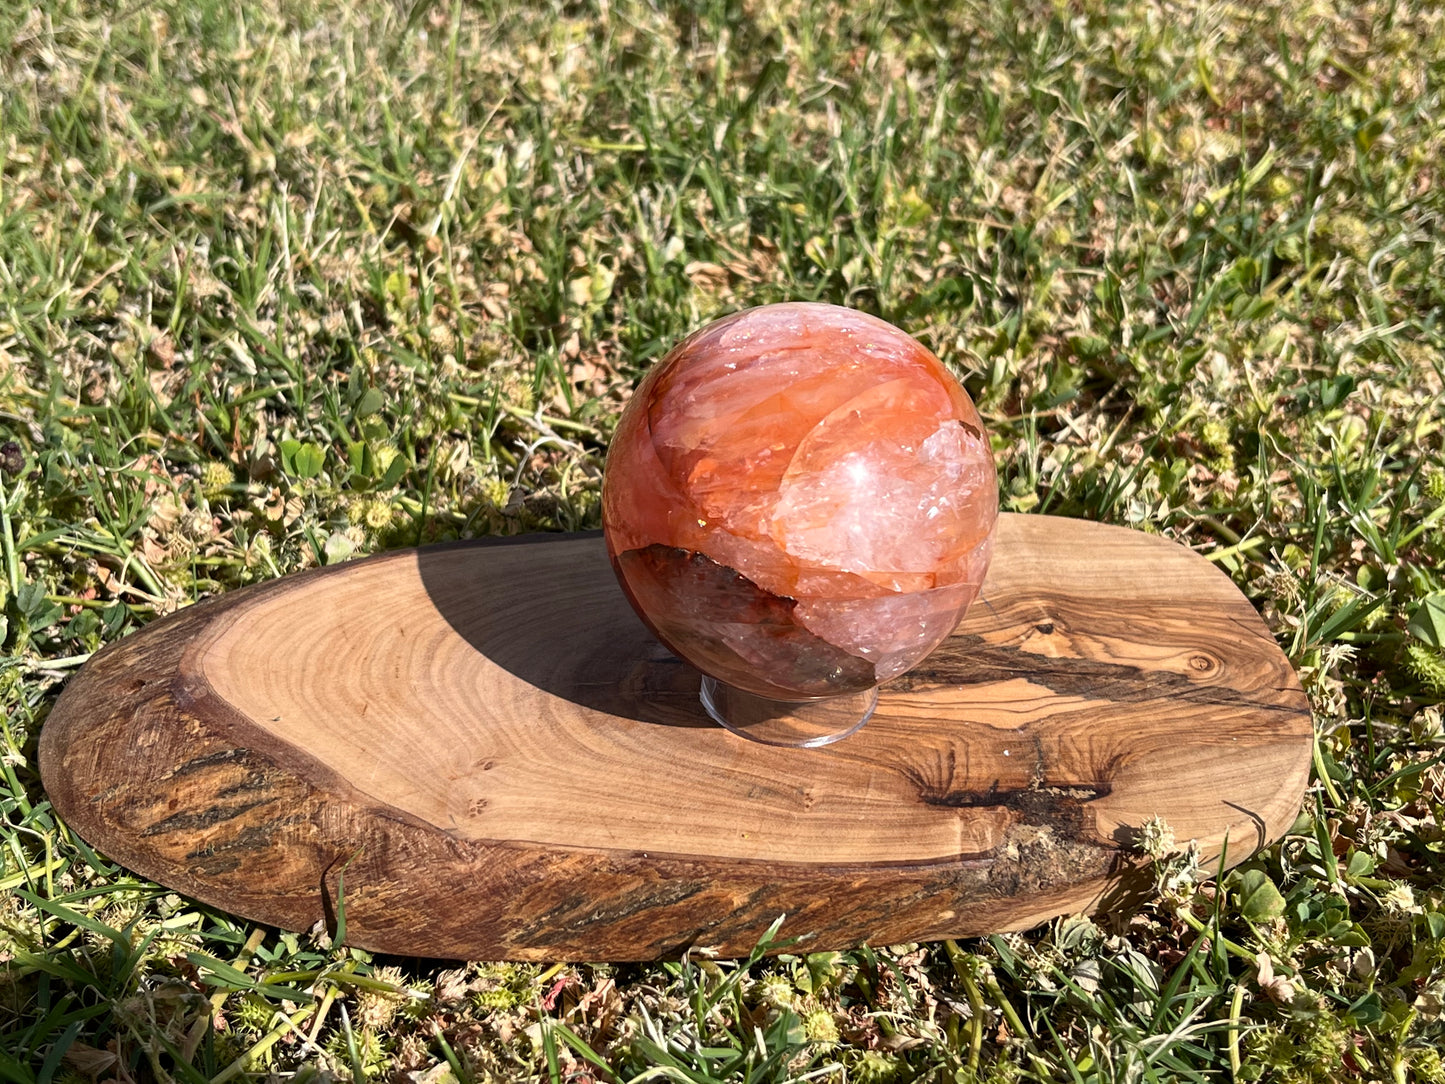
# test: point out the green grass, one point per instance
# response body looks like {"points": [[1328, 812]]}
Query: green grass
{"points": [[286, 282]]}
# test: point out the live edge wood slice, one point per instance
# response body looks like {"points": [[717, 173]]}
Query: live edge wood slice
{"points": [[504, 764]]}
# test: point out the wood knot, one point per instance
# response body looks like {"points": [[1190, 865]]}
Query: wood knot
{"points": [[1045, 627], [1202, 664]]}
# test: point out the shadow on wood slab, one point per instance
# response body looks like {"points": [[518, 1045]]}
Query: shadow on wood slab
{"points": [[606, 663], [506, 764]]}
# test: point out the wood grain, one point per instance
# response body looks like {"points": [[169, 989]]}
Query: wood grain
{"points": [[507, 765]]}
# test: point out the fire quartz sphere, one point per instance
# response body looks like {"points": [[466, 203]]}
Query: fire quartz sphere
{"points": [[800, 500]]}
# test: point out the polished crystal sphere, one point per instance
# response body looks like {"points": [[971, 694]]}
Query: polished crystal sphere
{"points": [[800, 501]]}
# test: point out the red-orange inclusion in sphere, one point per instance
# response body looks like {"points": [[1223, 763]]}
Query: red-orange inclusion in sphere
{"points": [[800, 501]]}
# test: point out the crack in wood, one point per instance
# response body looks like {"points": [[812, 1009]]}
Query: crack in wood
{"points": [[970, 660], [1028, 800]]}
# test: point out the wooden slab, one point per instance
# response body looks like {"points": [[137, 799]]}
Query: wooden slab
{"points": [[506, 765]]}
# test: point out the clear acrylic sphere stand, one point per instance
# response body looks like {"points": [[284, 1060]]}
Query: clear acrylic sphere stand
{"points": [[804, 724]]}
